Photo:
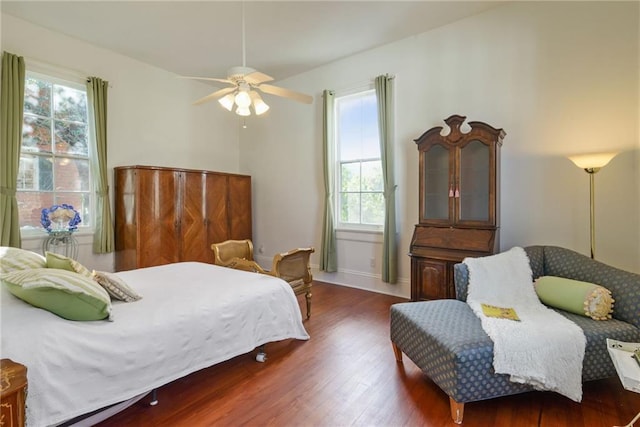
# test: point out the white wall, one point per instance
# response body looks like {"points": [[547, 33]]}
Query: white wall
{"points": [[560, 78], [151, 119]]}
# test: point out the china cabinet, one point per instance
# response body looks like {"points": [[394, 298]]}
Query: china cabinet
{"points": [[459, 176], [166, 215]]}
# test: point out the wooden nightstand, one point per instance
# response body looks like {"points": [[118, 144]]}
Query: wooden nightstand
{"points": [[13, 393]]}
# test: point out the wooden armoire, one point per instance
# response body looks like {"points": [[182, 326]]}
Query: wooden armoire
{"points": [[459, 203], [165, 215]]}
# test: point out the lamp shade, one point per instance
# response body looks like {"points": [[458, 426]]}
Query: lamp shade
{"points": [[243, 111], [259, 105], [592, 161], [243, 100], [227, 101]]}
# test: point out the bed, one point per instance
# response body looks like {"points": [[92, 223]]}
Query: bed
{"points": [[192, 316]]}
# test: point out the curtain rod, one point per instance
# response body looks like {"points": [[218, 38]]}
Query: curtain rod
{"points": [[359, 85], [57, 70]]}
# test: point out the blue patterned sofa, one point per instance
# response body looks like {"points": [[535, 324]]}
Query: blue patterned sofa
{"points": [[445, 339]]}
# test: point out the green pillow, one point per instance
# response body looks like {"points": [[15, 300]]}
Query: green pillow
{"points": [[12, 259], [65, 293], [587, 299], [62, 262]]}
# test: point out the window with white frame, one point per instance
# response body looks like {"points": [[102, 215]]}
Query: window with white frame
{"points": [[54, 158], [360, 197]]}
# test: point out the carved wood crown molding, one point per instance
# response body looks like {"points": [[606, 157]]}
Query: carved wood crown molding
{"points": [[455, 136]]}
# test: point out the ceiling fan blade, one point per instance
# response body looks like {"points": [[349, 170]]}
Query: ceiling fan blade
{"points": [[256, 77], [286, 93], [207, 78], [215, 95]]}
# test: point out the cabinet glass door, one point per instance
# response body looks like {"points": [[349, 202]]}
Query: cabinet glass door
{"points": [[436, 183], [474, 182]]}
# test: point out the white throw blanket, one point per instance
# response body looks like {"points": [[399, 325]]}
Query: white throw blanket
{"points": [[544, 348]]}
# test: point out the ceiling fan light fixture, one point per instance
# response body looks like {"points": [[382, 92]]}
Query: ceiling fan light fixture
{"points": [[259, 105], [243, 100], [243, 111], [227, 101]]}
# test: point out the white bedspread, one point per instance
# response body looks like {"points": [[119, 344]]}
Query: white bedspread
{"points": [[192, 316], [544, 349]]}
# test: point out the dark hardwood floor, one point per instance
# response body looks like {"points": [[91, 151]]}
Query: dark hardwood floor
{"points": [[346, 375]]}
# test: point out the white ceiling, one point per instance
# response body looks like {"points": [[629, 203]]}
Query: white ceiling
{"points": [[205, 38]]}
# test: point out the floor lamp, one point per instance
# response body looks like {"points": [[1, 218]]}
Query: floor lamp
{"points": [[592, 163]]}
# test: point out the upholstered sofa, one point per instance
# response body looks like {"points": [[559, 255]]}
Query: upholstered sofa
{"points": [[446, 340]]}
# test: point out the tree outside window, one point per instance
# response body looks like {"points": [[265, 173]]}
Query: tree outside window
{"points": [[54, 158]]}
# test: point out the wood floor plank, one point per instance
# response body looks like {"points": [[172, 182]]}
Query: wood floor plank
{"points": [[347, 375]]}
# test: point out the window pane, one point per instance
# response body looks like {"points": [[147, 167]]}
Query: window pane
{"points": [[37, 97], [71, 138], [373, 208], [30, 205], [370, 138], [36, 134], [350, 207], [358, 127], [372, 176], [35, 173], [350, 177], [71, 174], [27, 174], [69, 104]]}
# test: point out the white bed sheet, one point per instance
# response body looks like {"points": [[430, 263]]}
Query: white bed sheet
{"points": [[192, 316]]}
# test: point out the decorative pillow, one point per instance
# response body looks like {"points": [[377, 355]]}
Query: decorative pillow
{"points": [[12, 259], [62, 262], [65, 293], [116, 287], [587, 299]]}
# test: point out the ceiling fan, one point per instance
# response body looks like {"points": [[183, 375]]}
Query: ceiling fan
{"points": [[245, 83]]}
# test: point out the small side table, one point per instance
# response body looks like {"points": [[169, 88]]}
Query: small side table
{"points": [[627, 368], [13, 393], [61, 242]]}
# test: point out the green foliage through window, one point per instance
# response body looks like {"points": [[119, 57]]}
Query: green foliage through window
{"points": [[54, 159]]}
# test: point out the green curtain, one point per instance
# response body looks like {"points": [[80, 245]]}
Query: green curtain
{"points": [[12, 103], [328, 258], [97, 101], [384, 95]]}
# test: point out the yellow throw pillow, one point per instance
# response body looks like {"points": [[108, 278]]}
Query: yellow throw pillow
{"points": [[587, 299]]}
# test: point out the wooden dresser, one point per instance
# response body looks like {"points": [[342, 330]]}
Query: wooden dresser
{"points": [[165, 215], [13, 393], [459, 203]]}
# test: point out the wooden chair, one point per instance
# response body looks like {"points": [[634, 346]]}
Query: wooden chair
{"points": [[292, 266], [229, 252]]}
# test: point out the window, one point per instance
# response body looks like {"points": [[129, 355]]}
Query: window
{"points": [[54, 157], [360, 199]]}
